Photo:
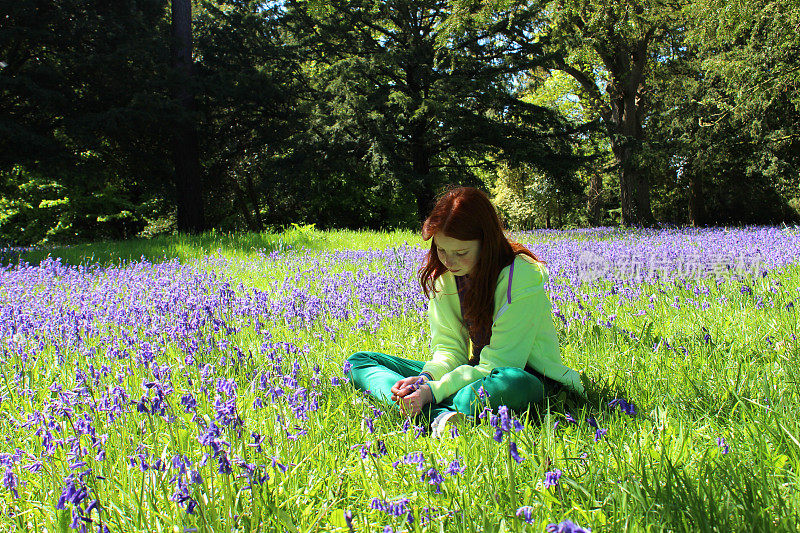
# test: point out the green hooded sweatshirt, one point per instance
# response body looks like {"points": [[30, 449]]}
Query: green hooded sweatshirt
{"points": [[522, 332]]}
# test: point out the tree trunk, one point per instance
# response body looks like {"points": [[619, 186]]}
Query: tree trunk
{"points": [[697, 208], [243, 207], [625, 128], [421, 174], [185, 145], [593, 202], [251, 191]]}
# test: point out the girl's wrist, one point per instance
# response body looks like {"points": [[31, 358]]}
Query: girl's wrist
{"points": [[426, 376], [431, 398]]}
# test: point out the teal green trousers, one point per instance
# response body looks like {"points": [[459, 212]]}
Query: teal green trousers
{"points": [[516, 388]]}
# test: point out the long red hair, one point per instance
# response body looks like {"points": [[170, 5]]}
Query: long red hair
{"points": [[466, 214]]}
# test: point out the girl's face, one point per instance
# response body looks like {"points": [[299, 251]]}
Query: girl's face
{"points": [[460, 257]]}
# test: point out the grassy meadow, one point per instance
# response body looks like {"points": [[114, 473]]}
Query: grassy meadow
{"points": [[196, 384]]}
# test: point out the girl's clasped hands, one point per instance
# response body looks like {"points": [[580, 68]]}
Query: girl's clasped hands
{"points": [[412, 394]]}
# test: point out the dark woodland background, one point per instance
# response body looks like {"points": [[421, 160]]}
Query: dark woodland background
{"points": [[125, 118]]}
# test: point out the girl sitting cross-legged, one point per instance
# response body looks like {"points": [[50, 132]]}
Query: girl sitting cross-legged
{"points": [[484, 292]]}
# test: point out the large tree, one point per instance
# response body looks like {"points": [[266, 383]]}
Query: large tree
{"points": [[426, 103], [723, 133], [608, 47], [624, 37]]}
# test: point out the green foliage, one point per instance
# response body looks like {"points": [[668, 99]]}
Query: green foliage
{"points": [[81, 155], [527, 200], [417, 108], [749, 52], [354, 113], [709, 138]]}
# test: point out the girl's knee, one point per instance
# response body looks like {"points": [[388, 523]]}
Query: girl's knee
{"points": [[513, 387], [359, 357], [507, 379]]}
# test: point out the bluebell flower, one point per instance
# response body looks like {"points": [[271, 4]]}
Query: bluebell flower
{"points": [[723, 445], [454, 468], [551, 478], [434, 478], [498, 435], [415, 458], [512, 449], [624, 406], [524, 513], [94, 504], [382, 448], [76, 518], [505, 420], [10, 481], [567, 526], [706, 335]]}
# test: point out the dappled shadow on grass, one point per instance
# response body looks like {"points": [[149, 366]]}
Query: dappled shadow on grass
{"points": [[596, 406], [187, 248], [183, 248]]}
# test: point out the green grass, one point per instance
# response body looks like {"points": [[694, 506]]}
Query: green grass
{"points": [[659, 471]]}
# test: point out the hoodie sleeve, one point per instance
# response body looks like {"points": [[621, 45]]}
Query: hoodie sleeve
{"points": [[449, 343]]}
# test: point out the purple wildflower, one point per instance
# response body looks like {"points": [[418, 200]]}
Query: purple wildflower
{"points": [[369, 424], [723, 445], [551, 478], [600, 433], [415, 458], [434, 478], [567, 526], [524, 513], [454, 468], [512, 449], [505, 420], [498, 435], [624, 406], [10, 482], [396, 508]]}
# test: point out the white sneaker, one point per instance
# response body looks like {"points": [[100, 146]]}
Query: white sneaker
{"points": [[439, 423]]}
